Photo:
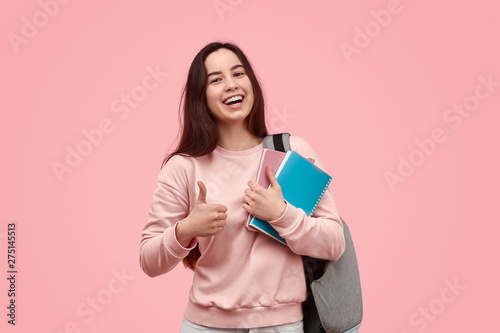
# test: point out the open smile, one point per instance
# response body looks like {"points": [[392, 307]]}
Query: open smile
{"points": [[234, 101]]}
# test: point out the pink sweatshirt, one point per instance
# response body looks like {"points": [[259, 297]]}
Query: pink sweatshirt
{"points": [[243, 278]]}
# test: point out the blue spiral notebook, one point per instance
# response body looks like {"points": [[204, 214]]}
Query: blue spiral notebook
{"points": [[302, 184]]}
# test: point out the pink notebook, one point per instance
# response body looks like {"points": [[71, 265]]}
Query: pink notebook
{"points": [[269, 157]]}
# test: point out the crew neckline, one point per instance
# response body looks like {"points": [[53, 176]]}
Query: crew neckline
{"points": [[249, 151]]}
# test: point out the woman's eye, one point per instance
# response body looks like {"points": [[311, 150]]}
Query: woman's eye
{"points": [[215, 80], [239, 74]]}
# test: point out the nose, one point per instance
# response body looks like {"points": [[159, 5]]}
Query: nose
{"points": [[231, 84]]}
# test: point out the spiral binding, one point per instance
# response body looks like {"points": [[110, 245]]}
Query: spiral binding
{"points": [[321, 196]]}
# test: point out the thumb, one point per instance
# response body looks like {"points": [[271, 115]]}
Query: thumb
{"points": [[270, 176], [202, 197]]}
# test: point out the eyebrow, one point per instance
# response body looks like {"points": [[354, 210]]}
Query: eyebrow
{"points": [[219, 72]]}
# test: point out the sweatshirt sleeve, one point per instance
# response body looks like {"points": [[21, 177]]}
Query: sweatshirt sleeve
{"points": [[160, 250], [319, 236]]}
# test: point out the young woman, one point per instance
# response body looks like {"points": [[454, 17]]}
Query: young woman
{"points": [[243, 281]]}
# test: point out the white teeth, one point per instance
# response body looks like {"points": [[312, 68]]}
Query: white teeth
{"points": [[233, 99]]}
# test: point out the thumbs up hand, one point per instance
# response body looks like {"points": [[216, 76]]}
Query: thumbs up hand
{"points": [[265, 204], [204, 220], [202, 196]]}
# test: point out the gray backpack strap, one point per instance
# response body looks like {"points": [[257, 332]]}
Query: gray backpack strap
{"points": [[334, 302], [280, 142]]}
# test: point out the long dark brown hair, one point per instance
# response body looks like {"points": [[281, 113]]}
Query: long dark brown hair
{"points": [[199, 135]]}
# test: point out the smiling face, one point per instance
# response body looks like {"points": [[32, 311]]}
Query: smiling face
{"points": [[229, 90]]}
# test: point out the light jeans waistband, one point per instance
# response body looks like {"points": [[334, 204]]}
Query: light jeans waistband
{"points": [[189, 327]]}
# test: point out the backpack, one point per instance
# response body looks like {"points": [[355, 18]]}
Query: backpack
{"points": [[334, 303]]}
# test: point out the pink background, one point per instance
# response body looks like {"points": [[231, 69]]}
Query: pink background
{"points": [[362, 112]]}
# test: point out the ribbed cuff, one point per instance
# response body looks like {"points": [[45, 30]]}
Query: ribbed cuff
{"points": [[174, 247], [288, 221]]}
